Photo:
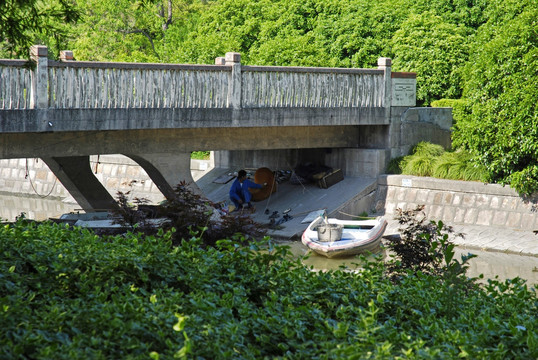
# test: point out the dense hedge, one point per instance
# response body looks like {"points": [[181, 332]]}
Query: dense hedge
{"points": [[68, 294]]}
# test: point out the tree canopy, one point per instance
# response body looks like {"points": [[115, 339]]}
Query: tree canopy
{"points": [[27, 22]]}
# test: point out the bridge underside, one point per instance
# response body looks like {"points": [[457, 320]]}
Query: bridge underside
{"points": [[165, 153], [21, 145]]}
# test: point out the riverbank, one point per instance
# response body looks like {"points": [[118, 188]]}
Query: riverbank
{"points": [[493, 218]]}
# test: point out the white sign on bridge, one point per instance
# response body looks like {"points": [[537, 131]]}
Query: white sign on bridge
{"points": [[404, 91]]}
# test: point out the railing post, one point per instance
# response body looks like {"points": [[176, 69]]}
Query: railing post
{"points": [[385, 65], [39, 94], [234, 88], [66, 55]]}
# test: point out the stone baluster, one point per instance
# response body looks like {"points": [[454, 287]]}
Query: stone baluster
{"points": [[66, 55], [385, 65], [233, 59], [39, 94]]}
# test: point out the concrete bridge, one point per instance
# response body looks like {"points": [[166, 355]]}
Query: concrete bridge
{"points": [[157, 114]]}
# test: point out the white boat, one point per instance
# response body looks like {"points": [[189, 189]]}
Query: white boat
{"points": [[337, 238]]}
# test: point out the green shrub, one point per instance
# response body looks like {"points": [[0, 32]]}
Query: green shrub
{"points": [[418, 165], [458, 165], [431, 160], [425, 148], [526, 180], [200, 155], [421, 160], [187, 212], [445, 165], [394, 165], [69, 294], [444, 103]]}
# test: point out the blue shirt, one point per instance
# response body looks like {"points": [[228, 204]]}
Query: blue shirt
{"points": [[238, 192]]}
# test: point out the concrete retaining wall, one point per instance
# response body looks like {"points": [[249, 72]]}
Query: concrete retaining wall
{"points": [[352, 161], [457, 202]]}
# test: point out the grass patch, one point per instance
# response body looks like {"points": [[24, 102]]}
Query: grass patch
{"points": [[432, 160]]}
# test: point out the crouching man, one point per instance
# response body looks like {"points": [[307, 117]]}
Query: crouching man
{"points": [[239, 193]]}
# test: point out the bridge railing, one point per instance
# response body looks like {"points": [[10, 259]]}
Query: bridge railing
{"points": [[15, 84], [122, 85], [68, 84], [311, 87]]}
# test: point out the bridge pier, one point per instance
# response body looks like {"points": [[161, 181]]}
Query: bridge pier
{"points": [[167, 170], [75, 173]]}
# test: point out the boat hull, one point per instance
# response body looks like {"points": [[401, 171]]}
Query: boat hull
{"points": [[358, 236]]}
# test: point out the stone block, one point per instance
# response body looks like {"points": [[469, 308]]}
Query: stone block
{"points": [[401, 194], [411, 195], [390, 208], [402, 205], [468, 200], [499, 218], [436, 212], [430, 198], [482, 201], [495, 202], [447, 198], [525, 206], [41, 175], [459, 215], [485, 217], [232, 58], [528, 221], [391, 193], [510, 203], [449, 214], [513, 220], [470, 216], [133, 172], [422, 196], [438, 198]]}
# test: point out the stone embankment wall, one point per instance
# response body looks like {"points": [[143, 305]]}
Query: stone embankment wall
{"points": [[32, 178], [453, 202], [457, 202]]}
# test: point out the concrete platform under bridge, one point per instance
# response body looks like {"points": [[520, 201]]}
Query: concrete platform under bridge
{"points": [[353, 195]]}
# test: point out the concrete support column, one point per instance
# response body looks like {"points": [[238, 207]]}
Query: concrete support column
{"points": [[234, 88], [75, 173], [39, 94], [167, 170]]}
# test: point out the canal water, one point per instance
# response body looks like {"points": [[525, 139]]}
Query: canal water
{"points": [[490, 264]]}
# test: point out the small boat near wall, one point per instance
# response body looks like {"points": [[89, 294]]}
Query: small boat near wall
{"points": [[338, 238]]}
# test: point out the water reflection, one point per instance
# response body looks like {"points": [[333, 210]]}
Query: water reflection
{"points": [[490, 264], [33, 208]]}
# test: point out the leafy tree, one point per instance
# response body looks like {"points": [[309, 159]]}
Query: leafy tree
{"points": [[435, 50], [27, 22], [129, 31], [501, 79], [225, 26], [469, 13]]}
